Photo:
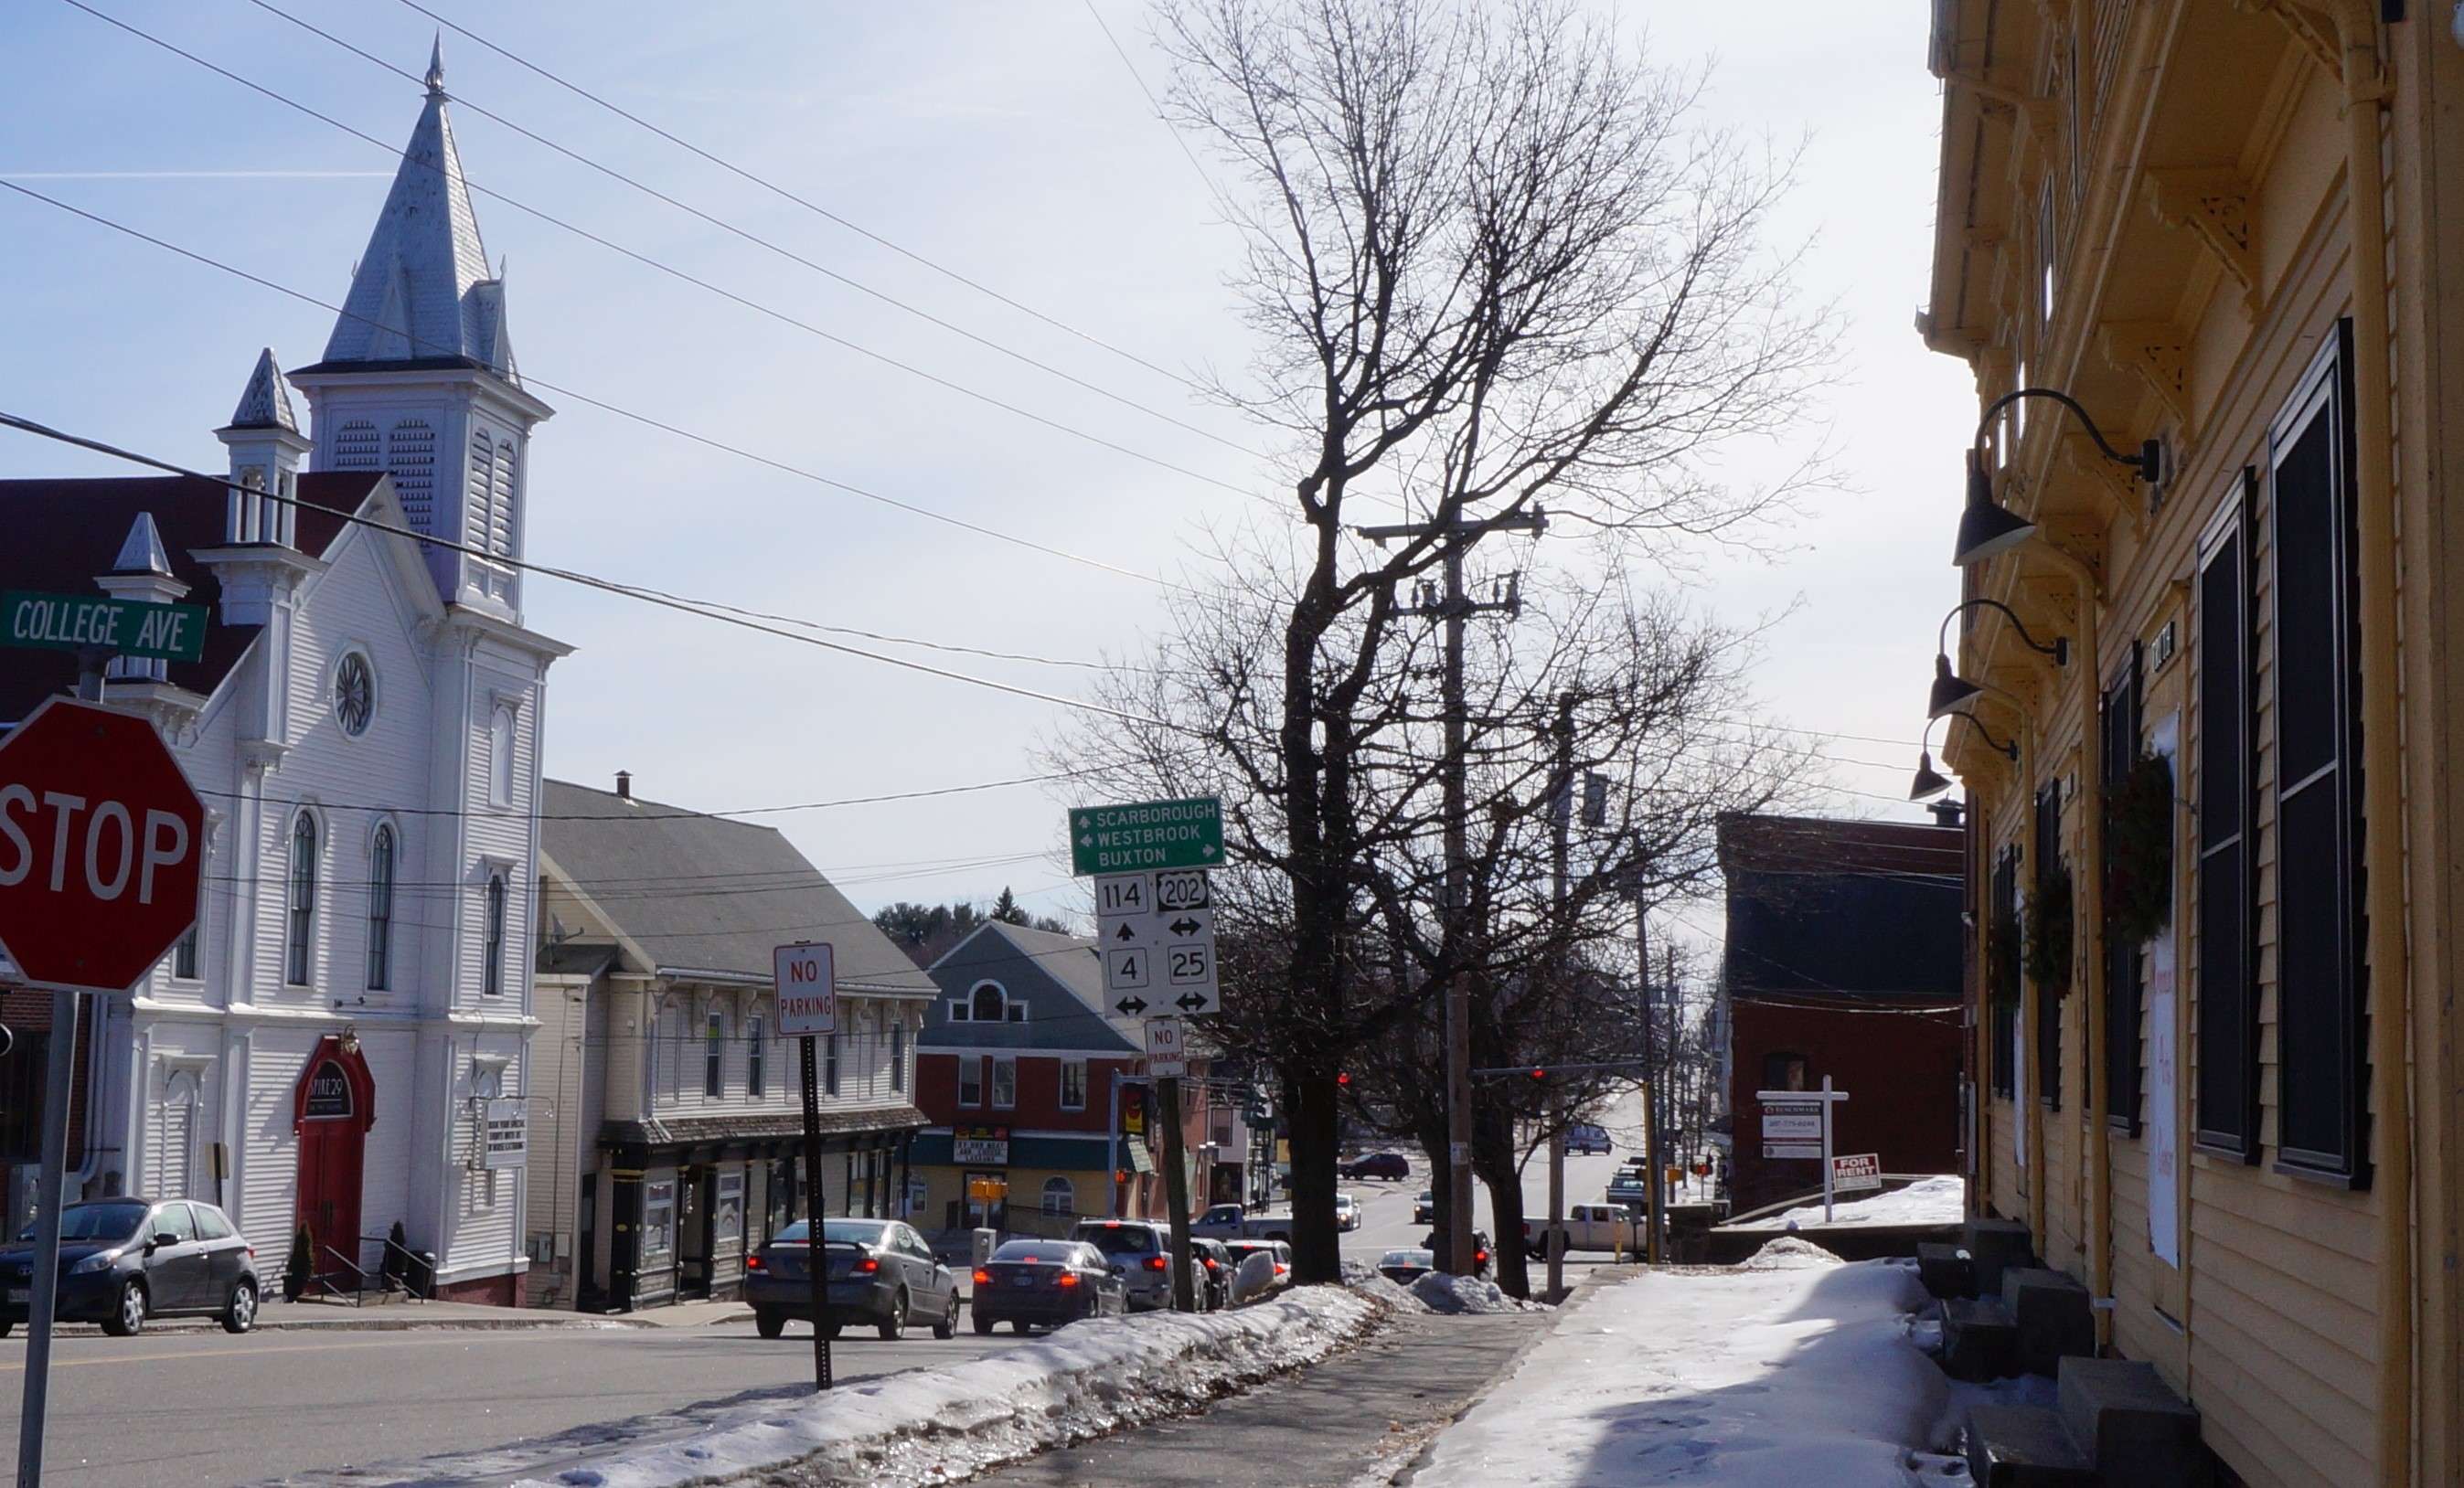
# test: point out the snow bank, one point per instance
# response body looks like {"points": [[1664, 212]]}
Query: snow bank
{"points": [[1444, 1293], [1366, 1279], [940, 1424], [1939, 1200], [1787, 1371]]}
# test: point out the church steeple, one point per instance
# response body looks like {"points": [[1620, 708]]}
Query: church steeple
{"points": [[418, 378], [422, 290]]}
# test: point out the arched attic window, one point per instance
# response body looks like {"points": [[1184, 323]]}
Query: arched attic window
{"points": [[987, 1003]]}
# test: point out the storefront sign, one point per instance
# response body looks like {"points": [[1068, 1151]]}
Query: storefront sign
{"points": [[988, 1145], [505, 1133]]}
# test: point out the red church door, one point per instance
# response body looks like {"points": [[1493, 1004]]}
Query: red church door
{"points": [[334, 1109]]}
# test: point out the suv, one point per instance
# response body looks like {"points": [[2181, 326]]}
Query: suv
{"points": [[1376, 1165], [1142, 1251], [1587, 1139]]}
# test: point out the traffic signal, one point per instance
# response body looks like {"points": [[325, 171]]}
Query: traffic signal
{"points": [[1343, 1080], [1539, 1076]]}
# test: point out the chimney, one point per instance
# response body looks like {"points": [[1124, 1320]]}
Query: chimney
{"points": [[623, 785], [1949, 813]]}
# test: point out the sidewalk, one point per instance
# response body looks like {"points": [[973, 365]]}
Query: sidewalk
{"points": [[1793, 1369], [399, 1315], [1354, 1419]]}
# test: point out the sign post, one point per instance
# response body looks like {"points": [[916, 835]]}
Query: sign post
{"points": [[806, 975], [101, 850], [1790, 1116]]}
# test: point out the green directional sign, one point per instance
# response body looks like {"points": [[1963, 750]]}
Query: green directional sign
{"points": [[1149, 834], [77, 621]]}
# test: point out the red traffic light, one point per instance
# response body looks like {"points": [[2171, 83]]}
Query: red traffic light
{"points": [[1343, 1078], [1537, 1073]]}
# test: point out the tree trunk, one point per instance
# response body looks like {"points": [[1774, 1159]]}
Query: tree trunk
{"points": [[1309, 1097], [1492, 1154]]}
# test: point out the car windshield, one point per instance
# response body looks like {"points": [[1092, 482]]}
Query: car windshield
{"points": [[1121, 1241], [96, 1222], [1039, 1252], [836, 1232], [1408, 1258]]}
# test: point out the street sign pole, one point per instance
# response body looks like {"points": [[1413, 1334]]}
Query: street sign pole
{"points": [[1176, 1191], [1826, 1150], [45, 1291], [816, 1258]]}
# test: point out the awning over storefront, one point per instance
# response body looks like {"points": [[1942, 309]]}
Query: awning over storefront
{"points": [[1058, 1155]]}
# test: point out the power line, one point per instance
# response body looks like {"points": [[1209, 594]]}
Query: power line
{"points": [[706, 441], [1156, 103], [660, 265], [638, 592], [680, 815], [816, 209]]}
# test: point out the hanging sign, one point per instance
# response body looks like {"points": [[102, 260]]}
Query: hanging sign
{"points": [[506, 1132]]}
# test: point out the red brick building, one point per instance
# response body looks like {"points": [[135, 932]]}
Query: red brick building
{"points": [[1843, 959]]}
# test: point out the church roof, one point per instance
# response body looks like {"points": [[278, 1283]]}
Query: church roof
{"points": [[422, 289], [142, 553], [266, 402], [61, 533]]}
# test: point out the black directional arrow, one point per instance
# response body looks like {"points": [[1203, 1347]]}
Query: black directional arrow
{"points": [[1124, 933], [1185, 925], [1131, 1007], [1190, 1002]]}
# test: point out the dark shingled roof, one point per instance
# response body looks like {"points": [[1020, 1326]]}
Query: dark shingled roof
{"points": [[1820, 907], [59, 534], [702, 893]]}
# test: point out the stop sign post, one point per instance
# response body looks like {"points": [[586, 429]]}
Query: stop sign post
{"points": [[101, 856]]}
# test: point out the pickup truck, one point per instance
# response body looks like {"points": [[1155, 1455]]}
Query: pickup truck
{"points": [[1235, 1222], [1606, 1227]]}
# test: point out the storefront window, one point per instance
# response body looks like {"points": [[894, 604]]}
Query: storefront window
{"points": [[658, 1220]]}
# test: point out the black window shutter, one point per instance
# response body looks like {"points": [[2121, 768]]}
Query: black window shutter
{"points": [[2122, 724], [2047, 1031], [2317, 826], [2227, 1024]]}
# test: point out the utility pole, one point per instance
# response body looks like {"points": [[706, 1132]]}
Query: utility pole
{"points": [[1455, 607], [1561, 819], [1655, 1139]]}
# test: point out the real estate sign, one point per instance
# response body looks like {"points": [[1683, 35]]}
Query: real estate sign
{"points": [[1857, 1170]]}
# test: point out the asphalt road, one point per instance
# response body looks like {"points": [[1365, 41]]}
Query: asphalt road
{"points": [[207, 1409]]}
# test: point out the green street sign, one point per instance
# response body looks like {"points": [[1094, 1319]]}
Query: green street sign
{"points": [[1151, 834], [77, 621]]}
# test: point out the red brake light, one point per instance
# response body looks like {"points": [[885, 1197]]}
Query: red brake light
{"points": [[756, 1263], [1479, 1255], [1069, 1279], [1283, 1270], [868, 1267], [1155, 1264], [1211, 1264], [983, 1278]]}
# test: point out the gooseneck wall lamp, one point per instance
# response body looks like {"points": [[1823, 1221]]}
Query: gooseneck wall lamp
{"points": [[1985, 526], [1930, 783], [1951, 691]]}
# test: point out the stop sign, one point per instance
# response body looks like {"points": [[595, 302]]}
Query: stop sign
{"points": [[101, 847]]}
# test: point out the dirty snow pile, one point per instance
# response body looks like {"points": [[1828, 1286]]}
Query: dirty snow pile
{"points": [[940, 1424], [1444, 1293], [1938, 1200], [1364, 1278], [1793, 1371]]}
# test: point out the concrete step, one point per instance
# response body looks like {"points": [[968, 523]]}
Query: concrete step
{"points": [[2137, 1431], [1979, 1339], [2023, 1447], [1945, 1270], [1993, 1245], [2053, 1315]]}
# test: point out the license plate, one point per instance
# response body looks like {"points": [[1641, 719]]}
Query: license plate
{"points": [[19, 1295], [1022, 1281]]}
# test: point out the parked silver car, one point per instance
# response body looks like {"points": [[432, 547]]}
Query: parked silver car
{"points": [[1141, 1250], [880, 1272]]}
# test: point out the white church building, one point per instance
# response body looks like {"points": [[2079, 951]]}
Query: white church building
{"points": [[343, 1044]]}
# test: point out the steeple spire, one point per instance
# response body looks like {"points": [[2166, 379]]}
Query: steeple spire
{"points": [[417, 292]]}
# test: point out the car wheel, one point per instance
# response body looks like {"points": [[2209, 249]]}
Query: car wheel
{"points": [[948, 1326], [240, 1314], [130, 1315], [769, 1323], [895, 1325], [984, 1325], [1019, 1326]]}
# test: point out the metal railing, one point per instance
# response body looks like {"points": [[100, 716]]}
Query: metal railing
{"points": [[401, 1269]]}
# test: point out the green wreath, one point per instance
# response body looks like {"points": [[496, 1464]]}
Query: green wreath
{"points": [[2049, 931], [2139, 851]]}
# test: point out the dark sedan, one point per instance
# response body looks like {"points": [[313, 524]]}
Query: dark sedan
{"points": [[1479, 1249], [878, 1272], [1213, 1276], [1044, 1284], [125, 1260]]}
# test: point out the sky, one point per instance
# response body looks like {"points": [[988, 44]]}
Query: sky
{"points": [[1008, 144]]}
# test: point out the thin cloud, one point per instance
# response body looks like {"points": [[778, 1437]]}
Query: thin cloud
{"points": [[190, 175]]}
